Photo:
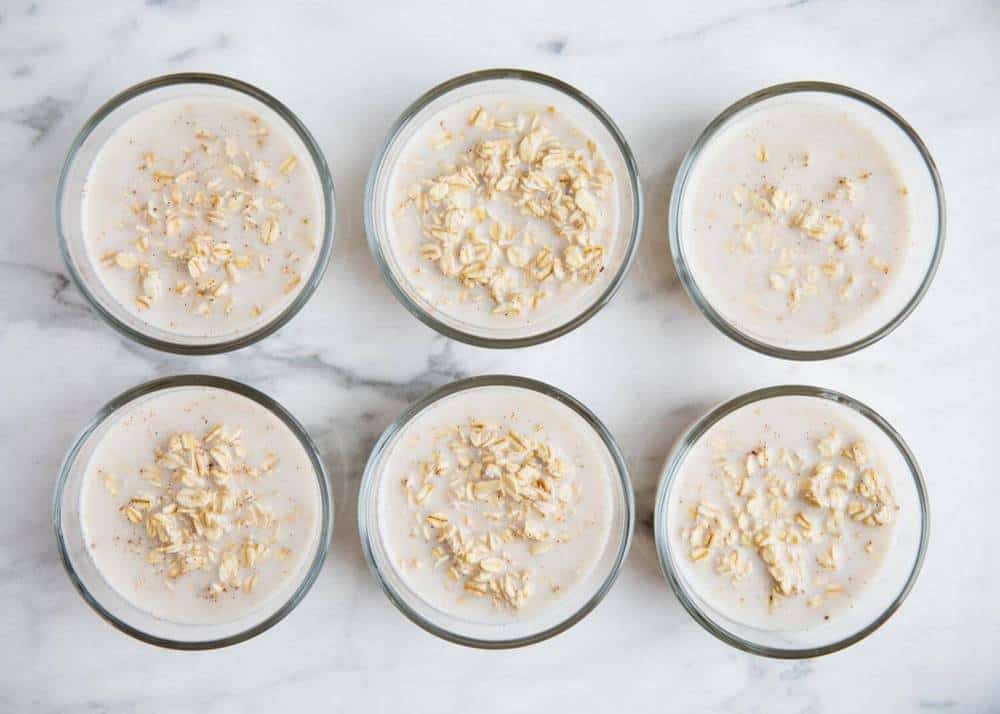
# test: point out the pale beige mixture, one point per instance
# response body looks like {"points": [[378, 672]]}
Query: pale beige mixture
{"points": [[783, 514], [503, 211]]}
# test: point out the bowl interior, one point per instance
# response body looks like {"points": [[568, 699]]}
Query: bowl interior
{"points": [[917, 172], [72, 187], [122, 612], [873, 605], [551, 620], [415, 124]]}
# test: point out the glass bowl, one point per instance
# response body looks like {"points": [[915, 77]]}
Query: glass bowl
{"points": [[927, 225], [106, 600], [546, 91], [876, 604], [550, 621], [72, 181]]}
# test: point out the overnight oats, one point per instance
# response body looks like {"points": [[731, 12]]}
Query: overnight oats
{"points": [[199, 507], [495, 513], [504, 209], [203, 214], [793, 517], [805, 223]]}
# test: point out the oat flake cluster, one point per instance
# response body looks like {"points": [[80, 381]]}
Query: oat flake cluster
{"points": [[760, 522], [180, 219], [771, 206], [518, 484], [192, 506], [520, 162]]}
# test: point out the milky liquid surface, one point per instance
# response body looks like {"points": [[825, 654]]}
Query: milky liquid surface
{"points": [[582, 537], [796, 222], [426, 155], [214, 171], [120, 548], [711, 474]]}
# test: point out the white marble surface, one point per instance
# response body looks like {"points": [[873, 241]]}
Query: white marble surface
{"points": [[646, 364]]}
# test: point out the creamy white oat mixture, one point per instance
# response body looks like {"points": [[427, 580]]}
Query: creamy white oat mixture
{"points": [[795, 222], [202, 218], [783, 514], [503, 212], [198, 505], [494, 503]]}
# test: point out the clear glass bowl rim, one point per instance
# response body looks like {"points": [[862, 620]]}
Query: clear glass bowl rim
{"points": [[694, 153], [375, 241], [198, 380], [680, 451], [329, 210], [368, 492]]}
